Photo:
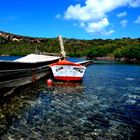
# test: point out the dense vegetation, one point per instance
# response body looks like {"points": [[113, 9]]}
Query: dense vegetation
{"points": [[125, 49], [25, 47]]}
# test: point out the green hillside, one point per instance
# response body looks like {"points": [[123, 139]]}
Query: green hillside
{"points": [[126, 49]]}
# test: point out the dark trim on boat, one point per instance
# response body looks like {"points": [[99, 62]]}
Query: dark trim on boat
{"points": [[21, 73], [15, 74], [11, 79], [10, 65]]}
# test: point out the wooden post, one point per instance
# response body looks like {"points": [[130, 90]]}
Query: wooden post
{"points": [[34, 76], [63, 53]]}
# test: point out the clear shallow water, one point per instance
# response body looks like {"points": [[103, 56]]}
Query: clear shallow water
{"points": [[106, 105]]}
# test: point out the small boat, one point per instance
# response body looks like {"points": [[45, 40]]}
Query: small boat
{"points": [[25, 70], [67, 71]]}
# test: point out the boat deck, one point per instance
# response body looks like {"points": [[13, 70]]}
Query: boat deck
{"points": [[33, 58]]}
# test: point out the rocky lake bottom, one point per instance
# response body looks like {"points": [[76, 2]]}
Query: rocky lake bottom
{"points": [[104, 106]]}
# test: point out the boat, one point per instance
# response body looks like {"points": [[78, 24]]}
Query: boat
{"points": [[30, 68], [67, 71], [25, 70]]}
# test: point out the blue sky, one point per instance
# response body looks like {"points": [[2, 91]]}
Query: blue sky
{"points": [[81, 19]]}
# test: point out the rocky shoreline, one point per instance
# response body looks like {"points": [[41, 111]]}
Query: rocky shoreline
{"points": [[121, 60]]}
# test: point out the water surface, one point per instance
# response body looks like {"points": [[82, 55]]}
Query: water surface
{"points": [[9, 58], [105, 106]]}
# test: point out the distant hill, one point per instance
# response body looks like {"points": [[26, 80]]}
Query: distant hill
{"points": [[123, 49], [15, 37]]}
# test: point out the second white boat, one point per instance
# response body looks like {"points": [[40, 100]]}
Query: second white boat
{"points": [[67, 71]]}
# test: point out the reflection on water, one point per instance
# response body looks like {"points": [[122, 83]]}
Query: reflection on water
{"points": [[106, 105]]}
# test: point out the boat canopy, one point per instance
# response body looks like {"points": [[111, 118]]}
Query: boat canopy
{"points": [[65, 62], [34, 58]]}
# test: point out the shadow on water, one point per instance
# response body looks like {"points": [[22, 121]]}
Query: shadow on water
{"points": [[104, 106]]}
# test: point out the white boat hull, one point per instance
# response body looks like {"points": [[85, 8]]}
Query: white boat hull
{"points": [[68, 72]]}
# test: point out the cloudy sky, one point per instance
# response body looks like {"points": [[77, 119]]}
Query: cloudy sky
{"points": [[81, 19]]}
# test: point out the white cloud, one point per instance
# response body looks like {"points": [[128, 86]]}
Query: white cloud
{"points": [[58, 16], [8, 19], [97, 26], [134, 3], [123, 14], [109, 32], [93, 15], [82, 24], [137, 20], [75, 24], [124, 23]]}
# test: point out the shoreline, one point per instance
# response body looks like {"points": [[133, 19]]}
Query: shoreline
{"points": [[97, 59]]}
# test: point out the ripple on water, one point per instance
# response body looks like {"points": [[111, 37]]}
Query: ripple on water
{"points": [[130, 79]]}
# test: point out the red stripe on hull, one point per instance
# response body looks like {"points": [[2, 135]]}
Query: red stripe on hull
{"points": [[68, 78]]}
